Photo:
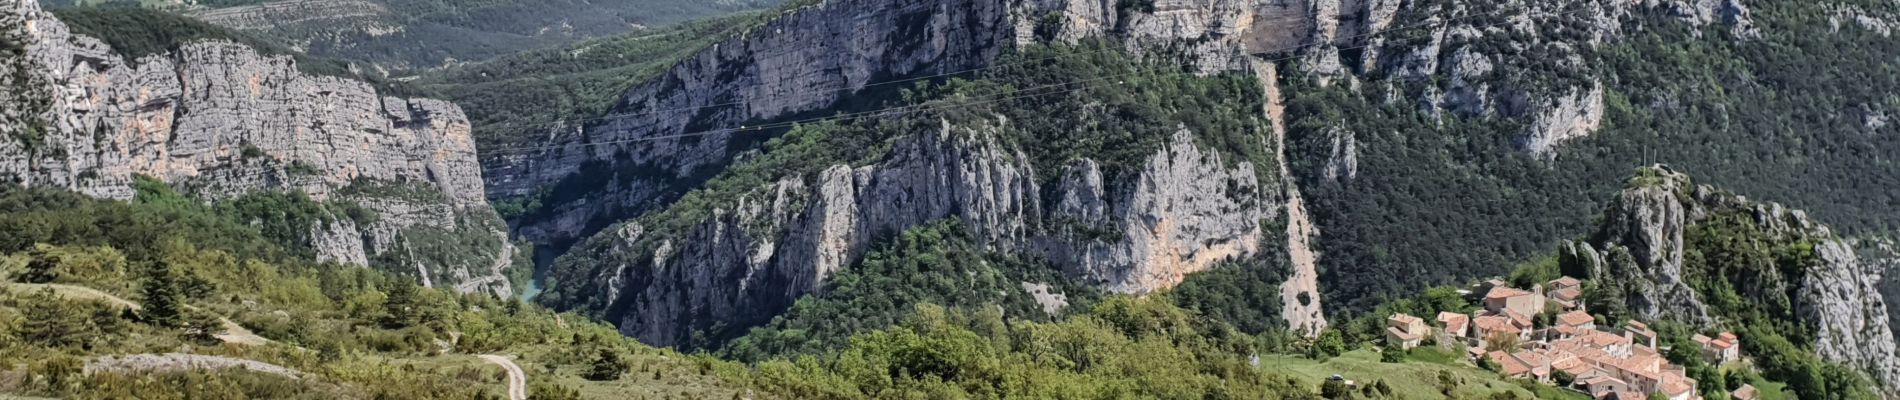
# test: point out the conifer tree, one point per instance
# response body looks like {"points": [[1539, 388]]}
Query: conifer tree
{"points": [[164, 301], [49, 322], [400, 307]]}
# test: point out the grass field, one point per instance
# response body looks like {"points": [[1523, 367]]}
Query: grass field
{"points": [[1413, 379]]}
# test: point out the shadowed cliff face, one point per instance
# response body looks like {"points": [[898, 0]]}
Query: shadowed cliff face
{"points": [[219, 120]]}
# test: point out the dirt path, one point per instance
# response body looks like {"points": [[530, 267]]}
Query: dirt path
{"points": [[233, 333], [497, 271], [517, 380], [1300, 293]]}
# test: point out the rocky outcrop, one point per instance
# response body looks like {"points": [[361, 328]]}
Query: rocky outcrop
{"points": [[1642, 235], [1568, 117], [1836, 292], [1343, 163], [1841, 296], [1185, 210], [682, 125], [1840, 15], [218, 120]]}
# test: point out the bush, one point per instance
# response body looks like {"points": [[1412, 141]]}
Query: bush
{"points": [[1391, 354], [607, 366]]}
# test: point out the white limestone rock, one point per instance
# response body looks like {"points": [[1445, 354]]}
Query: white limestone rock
{"points": [[218, 120]]}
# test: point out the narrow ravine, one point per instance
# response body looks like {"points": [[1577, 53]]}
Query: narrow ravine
{"points": [[1299, 295]]}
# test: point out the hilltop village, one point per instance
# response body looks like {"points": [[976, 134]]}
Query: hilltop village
{"points": [[1546, 334]]}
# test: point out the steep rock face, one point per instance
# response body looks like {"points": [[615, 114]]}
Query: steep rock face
{"points": [[1548, 77], [1842, 296], [1571, 116], [1837, 294], [1186, 210], [679, 126], [1642, 234], [219, 120]]}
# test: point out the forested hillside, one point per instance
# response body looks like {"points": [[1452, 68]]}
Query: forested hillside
{"points": [[402, 38], [166, 282], [514, 97], [1755, 113]]}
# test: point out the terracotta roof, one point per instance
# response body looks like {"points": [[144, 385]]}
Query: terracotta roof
{"points": [[1594, 380], [1566, 331], [1521, 320], [1746, 392], [1698, 338], [1601, 339], [1630, 395], [1510, 365], [1400, 333], [1488, 324], [1576, 366], [1565, 282], [1504, 292], [1567, 294], [1730, 337], [1452, 319], [1404, 319], [1676, 385], [1637, 325], [1575, 318]]}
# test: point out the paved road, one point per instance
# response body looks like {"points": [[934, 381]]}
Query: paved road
{"points": [[517, 380]]}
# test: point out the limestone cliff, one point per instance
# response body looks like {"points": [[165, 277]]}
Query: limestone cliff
{"points": [[679, 126], [1832, 288], [1186, 209], [219, 120]]}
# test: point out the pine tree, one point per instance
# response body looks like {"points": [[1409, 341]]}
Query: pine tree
{"points": [[400, 307], [42, 267], [49, 321], [202, 328], [164, 301]]}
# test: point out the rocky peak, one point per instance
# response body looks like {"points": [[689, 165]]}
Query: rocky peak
{"points": [[1646, 222], [218, 120], [1640, 250]]}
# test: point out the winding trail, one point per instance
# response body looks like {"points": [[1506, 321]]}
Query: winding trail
{"points": [[1303, 315], [233, 333], [517, 380], [497, 270]]}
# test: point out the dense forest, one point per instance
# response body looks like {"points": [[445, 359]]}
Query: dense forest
{"points": [[1761, 116], [408, 38], [514, 99]]}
